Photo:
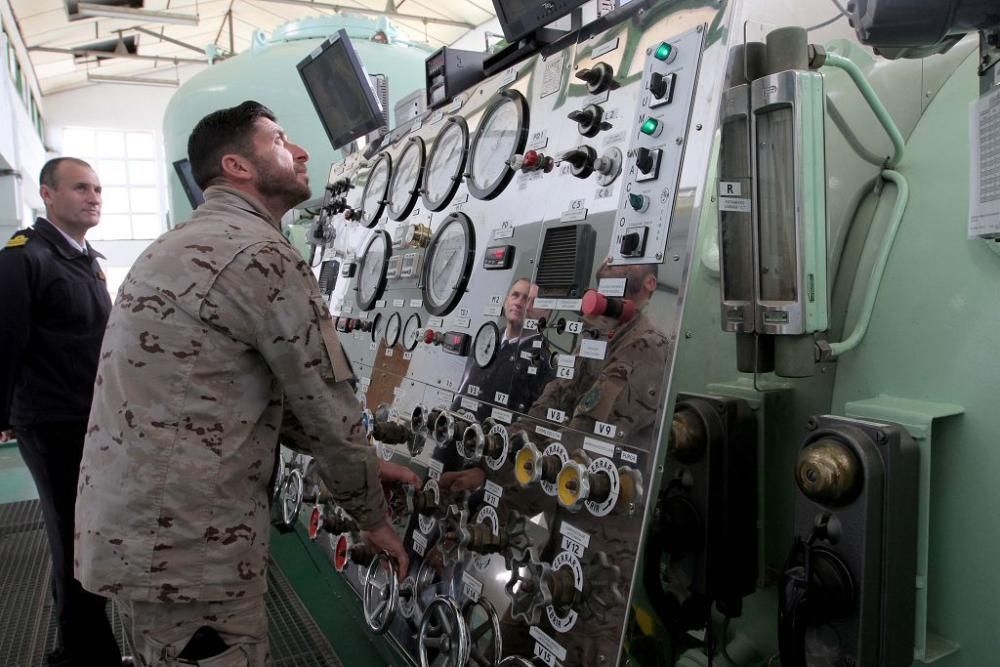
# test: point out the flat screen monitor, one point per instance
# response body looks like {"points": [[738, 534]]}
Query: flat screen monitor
{"points": [[341, 91], [191, 189], [520, 18]]}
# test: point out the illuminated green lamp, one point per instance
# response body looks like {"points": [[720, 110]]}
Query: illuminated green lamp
{"points": [[664, 52], [651, 127]]}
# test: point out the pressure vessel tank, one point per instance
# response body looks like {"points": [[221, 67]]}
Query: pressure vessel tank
{"points": [[267, 72]]}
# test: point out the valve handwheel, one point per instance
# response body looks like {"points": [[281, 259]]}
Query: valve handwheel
{"points": [[381, 594], [291, 497], [444, 637], [485, 639]]}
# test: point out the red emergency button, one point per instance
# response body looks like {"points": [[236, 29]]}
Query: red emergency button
{"points": [[594, 303], [429, 336]]}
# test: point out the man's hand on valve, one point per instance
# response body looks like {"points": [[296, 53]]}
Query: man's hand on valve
{"points": [[383, 537], [462, 480]]}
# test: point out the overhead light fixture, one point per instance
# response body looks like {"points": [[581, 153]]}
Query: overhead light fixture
{"points": [[91, 10], [132, 80]]}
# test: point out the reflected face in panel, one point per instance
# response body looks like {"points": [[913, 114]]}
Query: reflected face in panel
{"points": [[515, 306]]}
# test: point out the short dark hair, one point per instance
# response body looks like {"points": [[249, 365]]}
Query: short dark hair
{"points": [[48, 174], [220, 132]]}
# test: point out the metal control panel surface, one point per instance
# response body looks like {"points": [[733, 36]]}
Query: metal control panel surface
{"points": [[507, 355]]}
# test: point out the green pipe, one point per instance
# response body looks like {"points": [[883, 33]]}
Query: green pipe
{"points": [[834, 60], [861, 327]]}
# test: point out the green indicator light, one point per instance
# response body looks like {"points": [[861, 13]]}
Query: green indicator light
{"points": [[651, 126], [635, 201], [663, 51]]}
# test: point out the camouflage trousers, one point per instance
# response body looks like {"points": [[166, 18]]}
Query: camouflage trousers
{"points": [[159, 632]]}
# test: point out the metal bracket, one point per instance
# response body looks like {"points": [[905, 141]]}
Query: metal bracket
{"points": [[917, 417]]}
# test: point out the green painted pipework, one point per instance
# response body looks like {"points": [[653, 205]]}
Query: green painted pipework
{"points": [[864, 319], [840, 62]]}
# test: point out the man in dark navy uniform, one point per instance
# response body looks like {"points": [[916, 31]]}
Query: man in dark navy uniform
{"points": [[56, 306], [521, 368]]}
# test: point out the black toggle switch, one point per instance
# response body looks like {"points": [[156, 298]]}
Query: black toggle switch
{"points": [[634, 244], [581, 160], [590, 120], [598, 78], [662, 86], [644, 160]]}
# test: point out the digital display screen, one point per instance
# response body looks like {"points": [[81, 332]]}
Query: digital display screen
{"points": [[519, 18], [194, 194], [341, 91], [456, 343]]}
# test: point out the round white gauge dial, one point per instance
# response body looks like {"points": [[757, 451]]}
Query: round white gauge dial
{"points": [[411, 332], [371, 277], [497, 144], [485, 345], [376, 189], [448, 263], [392, 329], [444, 168], [406, 180]]}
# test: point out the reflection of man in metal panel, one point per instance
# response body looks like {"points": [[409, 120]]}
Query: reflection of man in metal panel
{"points": [[624, 388], [520, 368]]}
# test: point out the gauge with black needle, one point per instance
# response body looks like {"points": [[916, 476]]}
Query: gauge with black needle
{"points": [[448, 264], [411, 332], [485, 345], [392, 329]]}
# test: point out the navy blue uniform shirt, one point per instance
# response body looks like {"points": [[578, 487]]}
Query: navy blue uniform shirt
{"points": [[54, 305]]}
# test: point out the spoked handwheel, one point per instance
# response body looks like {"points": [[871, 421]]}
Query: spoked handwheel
{"points": [[485, 640], [291, 497], [381, 594], [444, 637]]}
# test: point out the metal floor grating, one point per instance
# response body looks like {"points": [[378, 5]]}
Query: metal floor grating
{"points": [[28, 630]]}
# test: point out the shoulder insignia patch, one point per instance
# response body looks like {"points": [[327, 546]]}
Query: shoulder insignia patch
{"points": [[591, 398], [17, 240]]}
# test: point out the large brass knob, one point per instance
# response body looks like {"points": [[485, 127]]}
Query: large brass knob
{"points": [[687, 436], [828, 472]]}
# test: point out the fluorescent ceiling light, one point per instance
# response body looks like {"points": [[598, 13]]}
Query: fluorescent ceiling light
{"points": [[89, 9], [133, 80]]}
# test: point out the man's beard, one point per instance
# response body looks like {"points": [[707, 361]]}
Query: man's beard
{"points": [[282, 185]]}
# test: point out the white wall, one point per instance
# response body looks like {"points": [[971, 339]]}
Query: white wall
{"points": [[117, 107], [21, 156]]}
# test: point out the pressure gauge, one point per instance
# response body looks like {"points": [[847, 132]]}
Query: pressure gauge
{"points": [[377, 326], [448, 264], [405, 184], [485, 345], [446, 163], [502, 134], [411, 332], [392, 329], [376, 190], [371, 274]]}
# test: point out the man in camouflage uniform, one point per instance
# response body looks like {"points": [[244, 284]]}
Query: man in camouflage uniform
{"points": [[624, 387], [219, 342]]}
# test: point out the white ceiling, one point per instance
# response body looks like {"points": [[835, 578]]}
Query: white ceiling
{"points": [[45, 24]]}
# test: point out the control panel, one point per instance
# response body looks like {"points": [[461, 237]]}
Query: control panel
{"points": [[656, 149], [508, 356]]}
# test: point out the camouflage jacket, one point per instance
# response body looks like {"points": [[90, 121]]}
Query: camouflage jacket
{"points": [[622, 389], [219, 341]]}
